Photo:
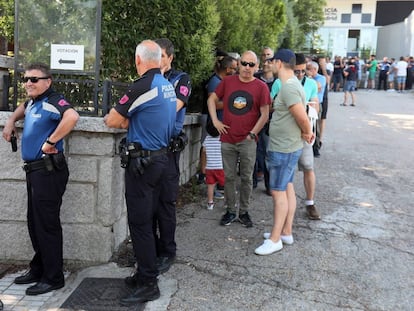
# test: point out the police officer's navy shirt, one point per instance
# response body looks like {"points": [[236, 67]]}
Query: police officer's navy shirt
{"points": [[42, 116], [182, 86], [150, 105]]}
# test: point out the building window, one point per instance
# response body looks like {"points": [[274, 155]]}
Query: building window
{"points": [[366, 19], [345, 18], [356, 8]]}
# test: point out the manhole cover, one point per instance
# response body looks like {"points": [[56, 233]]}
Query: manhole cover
{"points": [[100, 294]]}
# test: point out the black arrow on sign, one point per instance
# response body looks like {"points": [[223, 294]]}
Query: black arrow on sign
{"points": [[66, 61]]}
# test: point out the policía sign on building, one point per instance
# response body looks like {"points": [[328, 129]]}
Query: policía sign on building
{"points": [[67, 57], [331, 14]]}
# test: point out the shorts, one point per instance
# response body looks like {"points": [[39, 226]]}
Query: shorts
{"points": [[337, 78], [324, 109], [401, 79], [371, 75], [215, 177], [306, 160], [350, 86], [391, 78], [281, 168]]}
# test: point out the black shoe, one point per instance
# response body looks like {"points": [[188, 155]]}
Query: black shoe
{"points": [[245, 220], [131, 281], [316, 152], [144, 292], [164, 264], [201, 179], [227, 219], [27, 278], [42, 288]]}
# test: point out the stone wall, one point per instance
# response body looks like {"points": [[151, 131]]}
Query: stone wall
{"points": [[93, 213]]}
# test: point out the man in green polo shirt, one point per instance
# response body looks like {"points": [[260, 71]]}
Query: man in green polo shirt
{"points": [[372, 70]]}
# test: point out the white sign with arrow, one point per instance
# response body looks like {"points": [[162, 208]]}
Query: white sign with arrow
{"points": [[67, 57]]}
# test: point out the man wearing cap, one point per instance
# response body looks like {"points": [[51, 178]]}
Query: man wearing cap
{"points": [[288, 128], [246, 103], [306, 160]]}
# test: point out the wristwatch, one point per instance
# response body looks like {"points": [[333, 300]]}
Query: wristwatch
{"points": [[252, 135]]}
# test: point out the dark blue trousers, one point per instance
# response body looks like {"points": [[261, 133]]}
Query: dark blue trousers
{"points": [[45, 190], [165, 216], [140, 194]]}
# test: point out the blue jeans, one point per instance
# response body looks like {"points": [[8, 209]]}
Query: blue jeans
{"points": [[281, 168]]}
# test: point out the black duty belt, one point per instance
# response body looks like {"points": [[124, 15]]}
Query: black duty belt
{"points": [[34, 166], [153, 153]]}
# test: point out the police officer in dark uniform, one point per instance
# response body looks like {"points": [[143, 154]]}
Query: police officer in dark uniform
{"points": [[165, 215], [148, 111], [48, 118]]}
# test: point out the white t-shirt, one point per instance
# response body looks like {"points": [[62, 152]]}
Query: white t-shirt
{"points": [[402, 68], [330, 67]]}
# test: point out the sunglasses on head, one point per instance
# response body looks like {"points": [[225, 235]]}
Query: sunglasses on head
{"points": [[34, 79], [299, 71], [251, 64]]}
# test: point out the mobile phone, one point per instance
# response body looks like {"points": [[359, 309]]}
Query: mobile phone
{"points": [[13, 141]]}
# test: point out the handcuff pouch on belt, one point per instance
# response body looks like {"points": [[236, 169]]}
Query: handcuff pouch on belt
{"points": [[49, 162], [133, 156], [178, 143]]}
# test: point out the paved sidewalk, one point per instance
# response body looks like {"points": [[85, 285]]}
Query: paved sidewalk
{"points": [[360, 256]]}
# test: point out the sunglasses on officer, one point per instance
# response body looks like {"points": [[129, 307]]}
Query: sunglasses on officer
{"points": [[34, 79], [250, 64]]}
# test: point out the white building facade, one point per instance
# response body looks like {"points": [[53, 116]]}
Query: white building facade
{"points": [[355, 27]]}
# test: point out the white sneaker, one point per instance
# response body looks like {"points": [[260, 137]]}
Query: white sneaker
{"points": [[286, 239], [269, 247], [210, 206]]}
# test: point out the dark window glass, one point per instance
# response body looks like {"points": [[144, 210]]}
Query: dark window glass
{"points": [[365, 18], [356, 8], [345, 18]]}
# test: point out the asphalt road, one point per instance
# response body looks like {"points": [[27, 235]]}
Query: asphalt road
{"points": [[360, 256]]}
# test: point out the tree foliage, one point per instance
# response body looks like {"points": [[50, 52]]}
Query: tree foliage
{"points": [[190, 25], [292, 36], [196, 27], [250, 25], [7, 19], [309, 14]]}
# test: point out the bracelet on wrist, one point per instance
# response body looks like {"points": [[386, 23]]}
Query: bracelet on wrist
{"points": [[49, 142]]}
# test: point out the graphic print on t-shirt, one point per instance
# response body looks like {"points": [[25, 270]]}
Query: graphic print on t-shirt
{"points": [[240, 102]]}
